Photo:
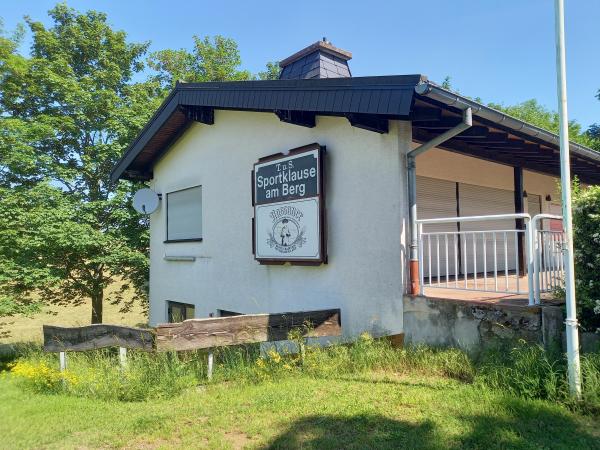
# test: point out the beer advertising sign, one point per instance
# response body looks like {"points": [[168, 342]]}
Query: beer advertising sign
{"points": [[289, 207]]}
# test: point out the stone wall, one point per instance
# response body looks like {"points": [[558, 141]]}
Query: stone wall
{"points": [[473, 326]]}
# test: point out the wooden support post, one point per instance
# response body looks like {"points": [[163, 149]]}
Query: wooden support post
{"points": [[62, 356], [520, 224], [123, 357], [209, 371]]}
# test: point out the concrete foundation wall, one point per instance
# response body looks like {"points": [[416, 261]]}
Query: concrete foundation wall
{"points": [[475, 326]]}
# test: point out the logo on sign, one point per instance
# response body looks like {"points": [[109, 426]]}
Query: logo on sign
{"points": [[287, 233]]}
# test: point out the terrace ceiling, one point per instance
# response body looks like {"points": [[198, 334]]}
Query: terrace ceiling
{"points": [[489, 141]]}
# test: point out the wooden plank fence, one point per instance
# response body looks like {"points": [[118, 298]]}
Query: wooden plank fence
{"points": [[246, 329], [195, 333], [61, 339]]}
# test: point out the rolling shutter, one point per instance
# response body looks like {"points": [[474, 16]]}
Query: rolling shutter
{"points": [[482, 201], [534, 205], [437, 198]]}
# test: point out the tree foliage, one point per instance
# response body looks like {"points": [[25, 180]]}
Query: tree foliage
{"points": [[271, 71], [533, 112], [68, 110], [586, 242], [216, 59]]}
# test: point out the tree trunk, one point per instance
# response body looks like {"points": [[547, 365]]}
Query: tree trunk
{"points": [[97, 303]]}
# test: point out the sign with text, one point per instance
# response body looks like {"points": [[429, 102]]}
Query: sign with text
{"points": [[289, 207], [287, 178]]}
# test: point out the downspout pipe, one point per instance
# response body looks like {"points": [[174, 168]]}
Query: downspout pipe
{"points": [[467, 122]]}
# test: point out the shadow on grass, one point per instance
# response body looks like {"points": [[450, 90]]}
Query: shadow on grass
{"points": [[434, 385], [524, 424], [358, 432], [511, 424]]}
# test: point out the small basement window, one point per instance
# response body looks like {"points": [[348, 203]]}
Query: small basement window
{"points": [[184, 215], [178, 312], [225, 313]]}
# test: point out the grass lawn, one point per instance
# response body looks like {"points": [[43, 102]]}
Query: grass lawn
{"points": [[17, 329], [362, 412]]}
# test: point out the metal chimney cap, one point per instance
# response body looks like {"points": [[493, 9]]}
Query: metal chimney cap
{"points": [[324, 46]]}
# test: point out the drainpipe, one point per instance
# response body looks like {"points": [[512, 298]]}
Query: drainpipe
{"points": [[467, 122]]}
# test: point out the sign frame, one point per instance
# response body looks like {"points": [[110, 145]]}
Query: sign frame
{"points": [[322, 221]]}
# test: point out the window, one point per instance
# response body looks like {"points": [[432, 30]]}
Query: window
{"points": [[178, 312], [184, 215], [225, 313]]}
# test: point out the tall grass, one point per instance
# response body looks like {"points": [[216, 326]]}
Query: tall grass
{"points": [[98, 374], [524, 370], [529, 371]]}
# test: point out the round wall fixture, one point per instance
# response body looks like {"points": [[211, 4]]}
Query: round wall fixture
{"points": [[145, 201]]}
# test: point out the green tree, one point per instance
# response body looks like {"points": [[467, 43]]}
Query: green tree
{"points": [[67, 111], [216, 59], [271, 72], [533, 112]]}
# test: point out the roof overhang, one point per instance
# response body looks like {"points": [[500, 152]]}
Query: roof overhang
{"points": [[367, 102], [498, 137]]}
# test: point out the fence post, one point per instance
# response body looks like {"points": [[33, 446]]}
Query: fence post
{"points": [[62, 356], [209, 372], [123, 357], [420, 253]]}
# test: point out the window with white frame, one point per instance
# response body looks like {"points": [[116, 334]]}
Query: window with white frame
{"points": [[184, 215]]}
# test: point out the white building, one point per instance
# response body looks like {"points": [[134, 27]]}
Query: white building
{"points": [[199, 150]]}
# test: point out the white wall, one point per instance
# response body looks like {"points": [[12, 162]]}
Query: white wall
{"points": [[366, 211]]}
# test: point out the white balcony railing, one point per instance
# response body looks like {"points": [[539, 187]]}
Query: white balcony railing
{"points": [[549, 262], [505, 260]]}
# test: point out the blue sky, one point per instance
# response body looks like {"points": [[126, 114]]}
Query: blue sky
{"points": [[499, 50]]}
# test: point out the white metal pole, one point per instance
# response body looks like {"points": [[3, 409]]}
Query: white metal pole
{"points": [[565, 175]]}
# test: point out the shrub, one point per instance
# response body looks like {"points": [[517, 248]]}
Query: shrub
{"points": [[586, 228]]}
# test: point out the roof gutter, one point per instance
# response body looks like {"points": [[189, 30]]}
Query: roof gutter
{"points": [[467, 122], [434, 92]]}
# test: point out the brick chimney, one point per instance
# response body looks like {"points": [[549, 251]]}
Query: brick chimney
{"points": [[318, 60]]}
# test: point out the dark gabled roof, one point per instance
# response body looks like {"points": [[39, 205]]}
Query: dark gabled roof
{"points": [[386, 96], [367, 102]]}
